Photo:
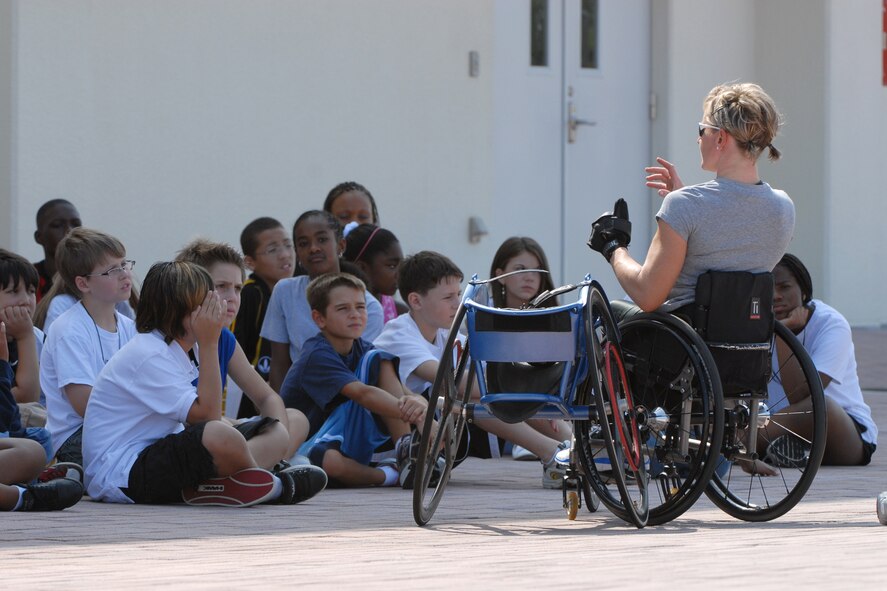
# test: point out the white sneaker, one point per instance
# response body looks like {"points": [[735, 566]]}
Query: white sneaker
{"points": [[553, 470], [522, 454], [882, 508]]}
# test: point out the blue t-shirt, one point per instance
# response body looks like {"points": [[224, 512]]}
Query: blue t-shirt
{"points": [[314, 383], [227, 342], [10, 419]]}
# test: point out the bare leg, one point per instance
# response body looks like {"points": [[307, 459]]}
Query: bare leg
{"points": [[298, 430], [21, 460], [843, 446], [557, 429], [349, 472], [227, 447], [523, 435], [270, 446]]}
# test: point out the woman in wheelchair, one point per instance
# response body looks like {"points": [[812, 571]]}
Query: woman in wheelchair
{"points": [[852, 434], [735, 222], [516, 291]]}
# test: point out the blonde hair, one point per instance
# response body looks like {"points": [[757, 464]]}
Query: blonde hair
{"points": [[748, 114], [207, 253]]}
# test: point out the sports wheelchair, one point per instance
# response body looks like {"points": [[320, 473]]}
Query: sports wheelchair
{"points": [[729, 393], [559, 362], [654, 426]]}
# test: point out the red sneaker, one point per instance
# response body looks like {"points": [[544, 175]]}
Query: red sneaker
{"points": [[242, 489]]}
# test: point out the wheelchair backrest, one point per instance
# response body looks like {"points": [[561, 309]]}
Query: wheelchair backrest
{"points": [[540, 335], [733, 313]]}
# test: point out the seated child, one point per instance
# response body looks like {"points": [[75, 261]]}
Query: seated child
{"points": [[94, 265], [55, 219], [852, 433], [151, 436], [377, 253], [430, 285], [351, 202], [21, 460], [350, 419], [225, 267], [518, 253], [269, 252], [319, 245], [18, 287]]}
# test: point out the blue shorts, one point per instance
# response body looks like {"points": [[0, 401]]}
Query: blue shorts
{"points": [[351, 429]]}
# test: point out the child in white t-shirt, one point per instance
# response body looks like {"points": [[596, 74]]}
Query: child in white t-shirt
{"points": [[86, 336], [152, 436], [429, 283]]}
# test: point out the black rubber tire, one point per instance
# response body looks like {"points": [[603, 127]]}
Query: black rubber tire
{"points": [[451, 427], [615, 417], [671, 368], [763, 498]]}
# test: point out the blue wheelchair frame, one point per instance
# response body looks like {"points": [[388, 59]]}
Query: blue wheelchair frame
{"points": [[578, 337]]}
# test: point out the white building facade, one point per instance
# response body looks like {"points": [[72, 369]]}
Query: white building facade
{"points": [[163, 120]]}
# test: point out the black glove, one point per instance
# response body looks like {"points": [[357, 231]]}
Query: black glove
{"points": [[611, 230]]}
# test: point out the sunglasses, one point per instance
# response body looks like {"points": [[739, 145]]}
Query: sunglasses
{"points": [[704, 126]]}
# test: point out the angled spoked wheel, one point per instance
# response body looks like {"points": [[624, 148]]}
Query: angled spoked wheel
{"points": [[443, 429], [611, 448], [761, 491], [674, 380]]}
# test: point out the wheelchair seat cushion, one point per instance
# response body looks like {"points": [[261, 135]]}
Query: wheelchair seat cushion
{"points": [[503, 377]]}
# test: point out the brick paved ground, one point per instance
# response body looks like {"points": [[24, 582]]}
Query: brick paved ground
{"points": [[495, 528]]}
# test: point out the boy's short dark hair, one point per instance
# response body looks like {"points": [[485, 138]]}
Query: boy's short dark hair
{"points": [[249, 238], [15, 269], [170, 292], [423, 271], [207, 253], [318, 291], [81, 250]]}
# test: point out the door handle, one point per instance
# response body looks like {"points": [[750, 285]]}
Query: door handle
{"points": [[574, 122]]}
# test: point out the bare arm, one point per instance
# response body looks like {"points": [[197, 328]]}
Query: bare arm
{"points": [[27, 373], [78, 396], [280, 364], [649, 284], [254, 387], [383, 403], [206, 322]]}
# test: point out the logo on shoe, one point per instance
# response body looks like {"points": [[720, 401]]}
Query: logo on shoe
{"points": [[211, 488]]}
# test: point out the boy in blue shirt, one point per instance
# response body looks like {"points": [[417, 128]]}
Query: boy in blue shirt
{"points": [[349, 418]]}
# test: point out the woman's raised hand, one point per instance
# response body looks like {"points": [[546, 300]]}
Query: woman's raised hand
{"points": [[664, 178]]}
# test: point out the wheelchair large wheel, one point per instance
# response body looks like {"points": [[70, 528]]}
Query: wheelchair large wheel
{"points": [[737, 486], [674, 380], [623, 488], [444, 406]]}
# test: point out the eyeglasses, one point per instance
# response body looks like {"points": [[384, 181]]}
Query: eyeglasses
{"points": [[116, 272], [275, 248], [704, 126]]}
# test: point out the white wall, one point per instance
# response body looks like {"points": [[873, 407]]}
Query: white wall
{"points": [[7, 43], [819, 59], [162, 120], [856, 155]]}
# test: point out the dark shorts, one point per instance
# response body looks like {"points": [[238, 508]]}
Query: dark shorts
{"points": [[867, 448], [72, 449], [169, 465]]}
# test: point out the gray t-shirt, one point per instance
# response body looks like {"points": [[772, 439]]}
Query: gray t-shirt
{"points": [[728, 226]]}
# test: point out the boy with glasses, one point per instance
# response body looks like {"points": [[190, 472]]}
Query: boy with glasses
{"points": [[267, 251], [94, 266]]}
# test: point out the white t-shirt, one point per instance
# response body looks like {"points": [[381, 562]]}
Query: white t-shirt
{"points": [[401, 337], [288, 319], [142, 395], [828, 340], [63, 302], [74, 353]]}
